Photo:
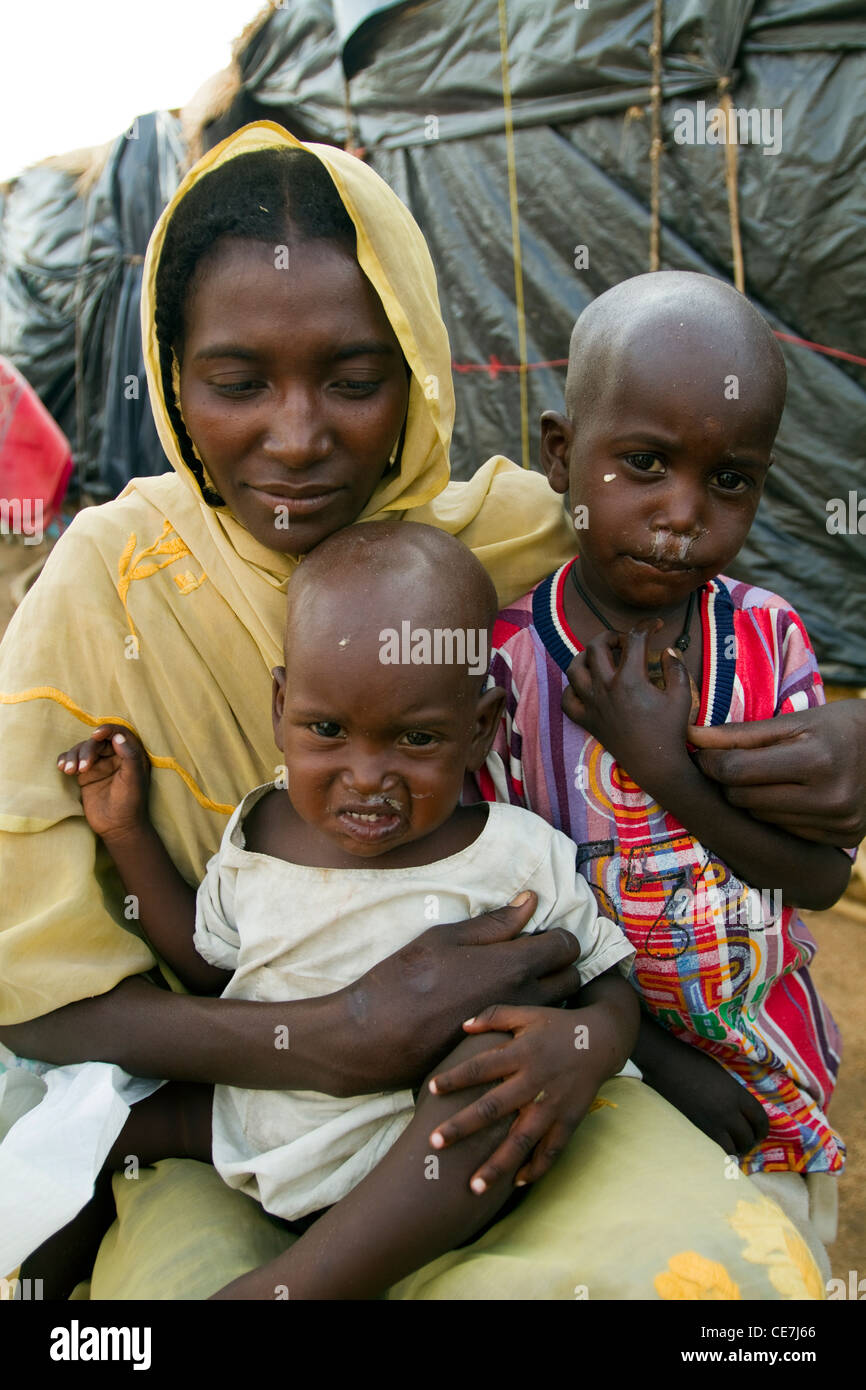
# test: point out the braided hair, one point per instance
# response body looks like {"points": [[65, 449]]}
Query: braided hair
{"points": [[260, 196]]}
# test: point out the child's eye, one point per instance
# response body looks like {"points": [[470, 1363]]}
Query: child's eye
{"points": [[732, 482], [646, 463], [326, 728], [416, 738]]}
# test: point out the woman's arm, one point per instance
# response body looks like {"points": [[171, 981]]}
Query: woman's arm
{"points": [[383, 1032], [644, 729], [804, 772]]}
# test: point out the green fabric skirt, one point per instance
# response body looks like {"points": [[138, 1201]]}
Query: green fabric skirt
{"points": [[641, 1205]]}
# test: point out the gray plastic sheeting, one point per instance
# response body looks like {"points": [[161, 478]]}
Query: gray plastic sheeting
{"points": [[425, 100]]}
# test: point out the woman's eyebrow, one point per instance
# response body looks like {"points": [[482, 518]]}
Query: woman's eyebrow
{"points": [[368, 349], [225, 350], [248, 354]]}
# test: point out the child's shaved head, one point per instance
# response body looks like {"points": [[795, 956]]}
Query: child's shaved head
{"points": [[378, 575], [649, 315], [381, 707]]}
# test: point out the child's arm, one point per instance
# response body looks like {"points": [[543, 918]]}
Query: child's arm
{"points": [[113, 774], [700, 1088], [644, 728]]}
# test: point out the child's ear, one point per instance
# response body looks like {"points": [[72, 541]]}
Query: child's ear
{"points": [[278, 702], [488, 713], [557, 433]]}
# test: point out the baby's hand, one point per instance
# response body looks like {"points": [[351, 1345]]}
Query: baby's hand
{"points": [[542, 1076], [113, 773]]}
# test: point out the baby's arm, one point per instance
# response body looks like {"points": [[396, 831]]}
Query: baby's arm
{"points": [[113, 773], [644, 728]]}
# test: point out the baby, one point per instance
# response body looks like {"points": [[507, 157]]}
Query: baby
{"points": [[356, 850], [674, 393]]}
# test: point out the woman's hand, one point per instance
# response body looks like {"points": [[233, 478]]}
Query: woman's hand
{"points": [[113, 773], [407, 1012], [549, 1074], [641, 726], [804, 772]]}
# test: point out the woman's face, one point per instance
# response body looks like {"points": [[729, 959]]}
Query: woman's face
{"points": [[293, 386]]}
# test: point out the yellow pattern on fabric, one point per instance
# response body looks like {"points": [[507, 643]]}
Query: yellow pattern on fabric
{"points": [[187, 582], [692, 1277], [47, 692], [773, 1240], [131, 567]]}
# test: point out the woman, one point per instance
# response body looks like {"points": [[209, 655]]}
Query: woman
{"points": [[292, 398]]}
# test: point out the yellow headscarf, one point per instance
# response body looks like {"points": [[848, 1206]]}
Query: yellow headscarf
{"points": [[162, 613]]}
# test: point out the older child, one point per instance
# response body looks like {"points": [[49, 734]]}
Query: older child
{"points": [[311, 889], [674, 393]]}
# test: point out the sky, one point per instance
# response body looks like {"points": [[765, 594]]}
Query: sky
{"points": [[76, 72]]}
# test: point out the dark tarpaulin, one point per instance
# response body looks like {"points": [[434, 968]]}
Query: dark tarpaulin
{"points": [[70, 286], [426, 102], [425, 99]]}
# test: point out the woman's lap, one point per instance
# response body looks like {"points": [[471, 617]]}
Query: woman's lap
{"points": [[641, 1205]]}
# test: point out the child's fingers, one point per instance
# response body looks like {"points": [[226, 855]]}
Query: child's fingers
{"points": [[475, 1071], [547, 1151], [502, 1100], [578, 675], [531, 1129], [674, 670], [599, 656], [503, 1018], [635, 652], [572, 707], [84, 755], [107, 740]]}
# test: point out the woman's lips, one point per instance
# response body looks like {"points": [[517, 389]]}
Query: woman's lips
{"points": [[294, 503]]}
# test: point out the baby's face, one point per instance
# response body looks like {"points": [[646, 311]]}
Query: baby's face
{"points": [[664, 472], [376, 753]]}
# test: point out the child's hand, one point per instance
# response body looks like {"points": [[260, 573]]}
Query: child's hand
{"points": [[113, 773], [642, 726], [544, 1076], [714, 1100]]}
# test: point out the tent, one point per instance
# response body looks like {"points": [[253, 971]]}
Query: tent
{"points": [[549, 149]]}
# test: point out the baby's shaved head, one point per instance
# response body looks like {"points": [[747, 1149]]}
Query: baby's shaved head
{"points": [[711, 323], [377, 575]]}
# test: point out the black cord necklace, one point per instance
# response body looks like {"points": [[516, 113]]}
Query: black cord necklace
{"points": [[682, 642]]}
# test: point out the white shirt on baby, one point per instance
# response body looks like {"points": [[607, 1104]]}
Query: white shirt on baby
{"points": [[291, 932]]}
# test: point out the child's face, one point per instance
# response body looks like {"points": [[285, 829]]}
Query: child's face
{"points": [[376, 754], [293, 387], [668, 470]]}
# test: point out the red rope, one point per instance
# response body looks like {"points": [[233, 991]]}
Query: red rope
{"points": [[493, 366], [819, 347]]}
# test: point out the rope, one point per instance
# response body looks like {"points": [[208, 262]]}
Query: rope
{"points": [[731, 186], [656, 145], [515, 235]]}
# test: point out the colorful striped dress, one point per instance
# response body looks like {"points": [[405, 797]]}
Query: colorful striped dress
{"points": [[720, 964]]}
